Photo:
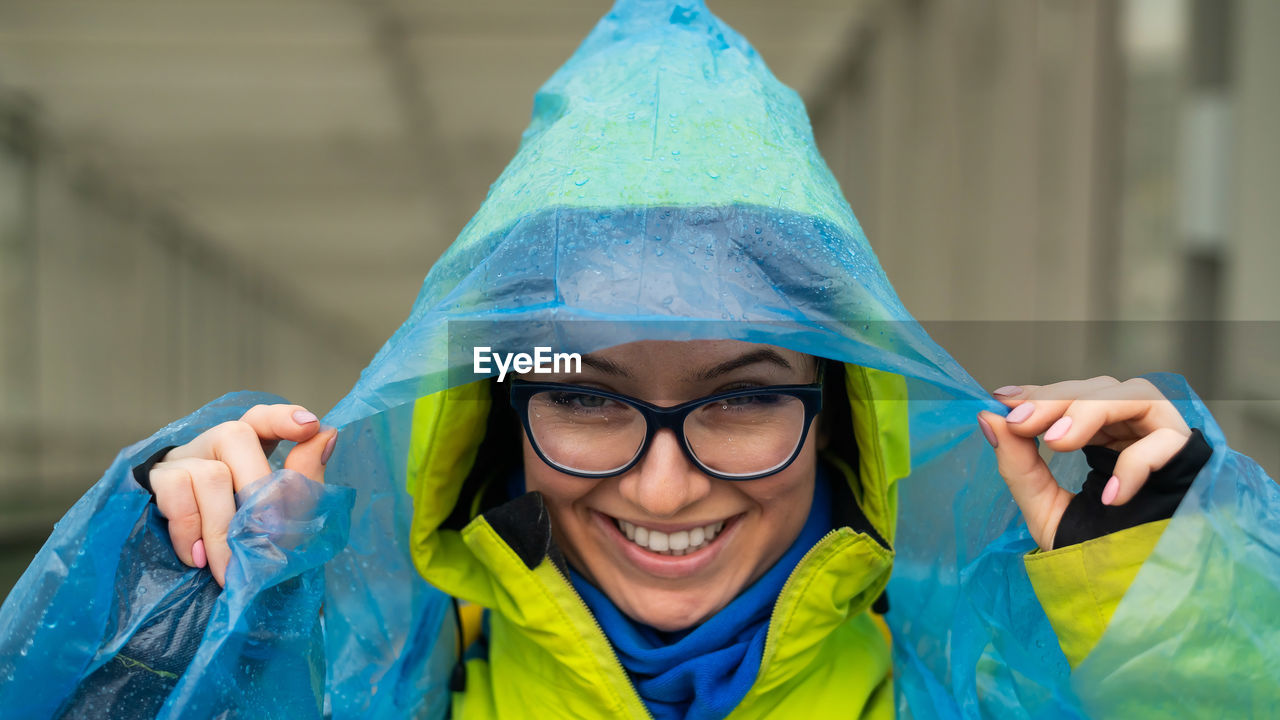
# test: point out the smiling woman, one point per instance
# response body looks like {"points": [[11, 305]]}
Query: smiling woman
{"points": [[633, 534], [761, 448]]}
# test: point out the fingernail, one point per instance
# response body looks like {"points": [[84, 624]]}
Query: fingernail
{"points": [[988, 433], [1058, 429], [1020, 413], [1111, 490], [328, 449], [302, 417], [1008, 390], [197, 554]]}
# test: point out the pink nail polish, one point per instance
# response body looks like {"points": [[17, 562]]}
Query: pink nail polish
{"points": [[198, 555], [1058, 429], [988, 433], [1008, 390], [1020, 413], [303, 417], [1111, 490], [328, 449]]}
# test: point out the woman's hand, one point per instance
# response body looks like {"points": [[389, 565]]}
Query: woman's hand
{"points": [[195, 484], [1132, 417]]}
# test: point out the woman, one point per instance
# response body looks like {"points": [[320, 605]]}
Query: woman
{"points": [[748, 377]]}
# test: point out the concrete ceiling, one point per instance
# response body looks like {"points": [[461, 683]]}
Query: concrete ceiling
{"points": [[340, 145]]}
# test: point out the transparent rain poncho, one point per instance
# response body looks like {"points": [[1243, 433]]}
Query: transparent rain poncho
{"points": [[668, 187]]}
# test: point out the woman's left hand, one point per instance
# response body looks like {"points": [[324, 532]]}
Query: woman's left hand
{"points": [[1132, 417]]}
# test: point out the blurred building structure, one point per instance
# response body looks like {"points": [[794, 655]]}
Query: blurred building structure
{"points": [[203, 197], [1068, 189]]}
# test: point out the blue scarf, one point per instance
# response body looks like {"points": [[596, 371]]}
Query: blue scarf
{"points": [[704, 672]]}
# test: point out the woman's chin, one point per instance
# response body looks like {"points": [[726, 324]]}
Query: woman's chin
{"points": [[671, 612]]}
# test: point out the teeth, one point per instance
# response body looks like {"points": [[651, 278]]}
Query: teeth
{"points": [[676, 543]]}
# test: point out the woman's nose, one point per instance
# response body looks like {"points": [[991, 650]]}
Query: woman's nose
{"points": [[664, 482]]}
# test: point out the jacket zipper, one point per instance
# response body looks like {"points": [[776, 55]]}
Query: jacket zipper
{"points": [[617, 662], [770, 638]]}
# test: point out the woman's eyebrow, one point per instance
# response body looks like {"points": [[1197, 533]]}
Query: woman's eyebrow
{"points": [[605, 366], [751, 358]]}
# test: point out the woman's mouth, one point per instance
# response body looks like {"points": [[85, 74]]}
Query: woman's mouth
{"points": [[682, 542], [674, 551]]}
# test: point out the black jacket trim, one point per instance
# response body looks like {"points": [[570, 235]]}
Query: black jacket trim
{"points": [[525, 525], [1086, 518], [142, 473]]}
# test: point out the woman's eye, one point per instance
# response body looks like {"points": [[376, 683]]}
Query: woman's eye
{"points": [[590, 401], [578, 400]]}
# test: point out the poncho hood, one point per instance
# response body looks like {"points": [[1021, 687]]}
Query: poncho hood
{"points": [[668, 187]]}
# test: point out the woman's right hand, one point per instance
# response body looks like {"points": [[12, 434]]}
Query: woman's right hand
{"points": [[195, 484]]}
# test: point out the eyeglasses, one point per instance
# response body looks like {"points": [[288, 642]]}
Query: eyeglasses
{"points": [[736, 435]]}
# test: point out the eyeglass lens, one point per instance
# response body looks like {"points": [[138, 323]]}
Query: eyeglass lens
{"points": [[589, 433]]}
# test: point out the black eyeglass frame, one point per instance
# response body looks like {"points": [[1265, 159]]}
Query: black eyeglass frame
{"points": [[656, 418]]}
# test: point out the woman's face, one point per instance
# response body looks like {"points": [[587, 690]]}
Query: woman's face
{"points": [[666, 493]]}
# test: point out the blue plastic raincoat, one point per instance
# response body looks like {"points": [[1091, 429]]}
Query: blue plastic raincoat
{"points": [[668, 187]]}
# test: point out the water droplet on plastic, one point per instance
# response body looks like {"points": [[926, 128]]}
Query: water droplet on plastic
{"points": [[713, 174], [581, 182], [667, 300], [658, 252], [759, 230], [675, 152]]}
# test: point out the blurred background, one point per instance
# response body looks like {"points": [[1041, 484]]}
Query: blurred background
{"points": [[201, 197]]}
